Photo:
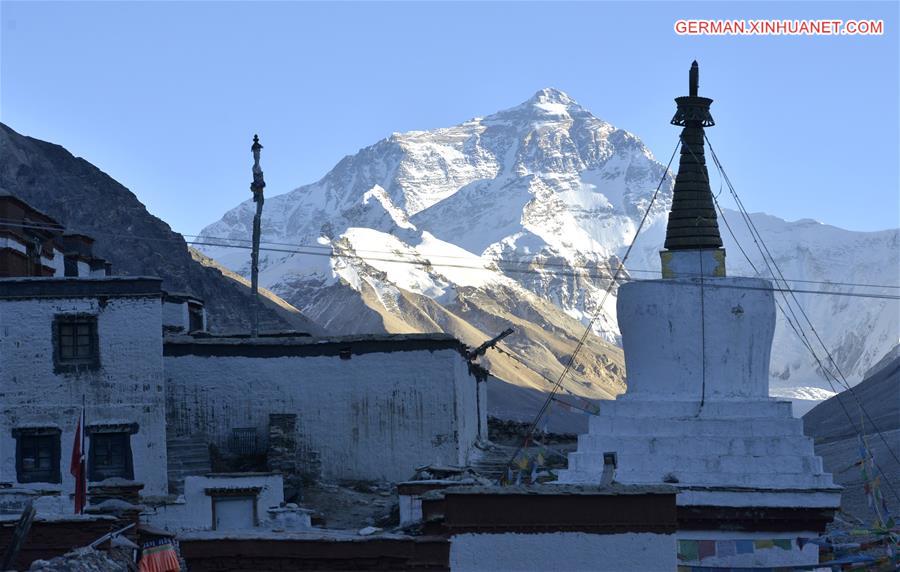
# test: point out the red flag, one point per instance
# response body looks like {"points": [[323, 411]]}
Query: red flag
{"points": [[77, 466]]}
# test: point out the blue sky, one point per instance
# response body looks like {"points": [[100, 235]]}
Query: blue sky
{"points": [[165, 96]]}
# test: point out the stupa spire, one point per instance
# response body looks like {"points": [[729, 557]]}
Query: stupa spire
{"points": [[692, 220]]}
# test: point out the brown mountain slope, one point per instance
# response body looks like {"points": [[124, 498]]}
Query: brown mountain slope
{"points": [[85, 199]]}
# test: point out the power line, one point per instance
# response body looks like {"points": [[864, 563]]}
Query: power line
{"points": [[590, 324], [427, 263], [300, 248], [764, 252]]}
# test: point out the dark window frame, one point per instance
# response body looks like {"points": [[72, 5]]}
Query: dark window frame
{"points": [[195, 317], [125, 470], [50, 437], [66, 331]]}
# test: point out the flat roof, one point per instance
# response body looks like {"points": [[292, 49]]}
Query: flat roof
{"points": [[550, 489], [79, 287], [305, 345]]}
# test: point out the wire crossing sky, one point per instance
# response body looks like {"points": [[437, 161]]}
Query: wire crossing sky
{"points": [[165, 97]]}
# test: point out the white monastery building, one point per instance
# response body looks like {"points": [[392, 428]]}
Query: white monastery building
{"points": [[159, 392]]}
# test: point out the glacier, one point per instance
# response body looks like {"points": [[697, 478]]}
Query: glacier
{"points": [[521, 218]]}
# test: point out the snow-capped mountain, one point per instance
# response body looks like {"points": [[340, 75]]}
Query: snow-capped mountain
{"points": [[520, 218]]}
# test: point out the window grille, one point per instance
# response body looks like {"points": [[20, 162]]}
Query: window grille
{"points": [[243, 440]]}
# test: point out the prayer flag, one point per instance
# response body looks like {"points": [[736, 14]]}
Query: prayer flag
{"points": [[707, 548], [783, 543], [763, 543], [688, 550], [77, 466], [725, 548], [744, 546]]}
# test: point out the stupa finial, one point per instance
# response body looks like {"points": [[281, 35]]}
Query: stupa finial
{"points": [[694, 79], [692, 219]]}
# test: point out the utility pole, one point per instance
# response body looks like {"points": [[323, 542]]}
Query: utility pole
{"points": [[256, 187]]}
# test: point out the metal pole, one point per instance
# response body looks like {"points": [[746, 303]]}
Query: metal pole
{"points": [[256, 187]]}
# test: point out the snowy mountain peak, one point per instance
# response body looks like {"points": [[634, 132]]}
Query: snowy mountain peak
{"points": [[552, 95], [541, 198], [546, 105]]}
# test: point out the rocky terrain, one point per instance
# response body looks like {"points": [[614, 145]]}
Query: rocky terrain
{"points": [[86, 200], [872, 407]]}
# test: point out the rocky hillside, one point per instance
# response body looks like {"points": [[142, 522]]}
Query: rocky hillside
{"points": [[874, 403], [518, 218], [85, 199]]}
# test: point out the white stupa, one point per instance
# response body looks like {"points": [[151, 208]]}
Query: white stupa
{"points": [[697, 412]]}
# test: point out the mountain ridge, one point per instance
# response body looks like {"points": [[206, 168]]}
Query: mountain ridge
{"points": [[85, 199], [545, 197]]}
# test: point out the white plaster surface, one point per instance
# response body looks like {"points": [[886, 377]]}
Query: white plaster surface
{"points": [[12, 244], [672, 345], [193, 511], [128, 386], [410, 509], [377, 416], [697, 411], [175, 315], [570, 551], [58, 263]]}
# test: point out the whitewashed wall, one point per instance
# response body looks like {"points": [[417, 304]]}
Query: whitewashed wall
{"points": [[570, 551], [175, 315], [193, 511], [376, 416], [671, 346], [127, 388]]}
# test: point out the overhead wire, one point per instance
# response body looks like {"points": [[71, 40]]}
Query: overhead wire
{"points": [[425, 262], [536, 264], [589, 328], [795, 324]]}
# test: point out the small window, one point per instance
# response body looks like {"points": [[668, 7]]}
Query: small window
{"points": [[37, 455], [110, 456], [195, 317], [243, 440], [77, 346]]}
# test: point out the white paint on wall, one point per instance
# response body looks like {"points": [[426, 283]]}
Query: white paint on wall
{"points": [[12, 244], [697, 410], [194, 510], [58, 263], [570, 551], [128, 386], [175, 315], [410, 509], [376, 416], [673, 342]]}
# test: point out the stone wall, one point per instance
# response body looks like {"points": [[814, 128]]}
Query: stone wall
{"points": [[368, 415]]}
